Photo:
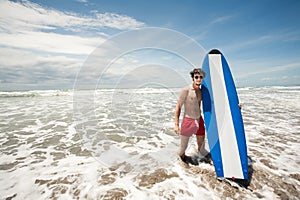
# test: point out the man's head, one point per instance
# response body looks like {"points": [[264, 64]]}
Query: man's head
{"points": [[197, 75]]}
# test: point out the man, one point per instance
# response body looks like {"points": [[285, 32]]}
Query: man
{"points": [[192, 123]]}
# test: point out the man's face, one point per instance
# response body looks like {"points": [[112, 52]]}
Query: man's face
{"points": [[198, 78]]}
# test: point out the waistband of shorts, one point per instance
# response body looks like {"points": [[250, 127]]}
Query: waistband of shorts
{"points": [[186, 116]]}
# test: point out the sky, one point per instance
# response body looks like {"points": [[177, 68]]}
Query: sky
{"points": [[62, 44]]}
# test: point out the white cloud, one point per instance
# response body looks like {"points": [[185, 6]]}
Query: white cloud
{"points": [[50, 42], [43, 46], [271, 70], [27, 15], [221, 19], [28, 25], [27, 66], [30, 59]]}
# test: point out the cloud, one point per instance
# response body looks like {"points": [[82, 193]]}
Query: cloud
{"points": [[274, 69], [50, 42], [146, 75], [221, 19], [29, 68], [252, 42], [43, 46], [276, 37], [286, 74], [28, 25], [27, 15]]}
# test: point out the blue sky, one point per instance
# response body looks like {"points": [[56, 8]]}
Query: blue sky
{"points": [[44, 44]]}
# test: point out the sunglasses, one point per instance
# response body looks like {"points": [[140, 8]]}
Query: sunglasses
{"points": [[196, 77]]}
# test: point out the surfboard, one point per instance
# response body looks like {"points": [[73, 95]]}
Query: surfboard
{"points": [[223, 119]]}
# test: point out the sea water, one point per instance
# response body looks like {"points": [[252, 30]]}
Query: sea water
{"points": [[120, 144]]}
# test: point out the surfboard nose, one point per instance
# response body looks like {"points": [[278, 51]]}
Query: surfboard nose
{"points": [[214, 51]]}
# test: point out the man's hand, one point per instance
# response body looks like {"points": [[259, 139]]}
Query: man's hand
{"points": [[176, 129]]}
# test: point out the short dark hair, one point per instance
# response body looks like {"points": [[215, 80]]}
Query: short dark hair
{"points": [[197, 71]]}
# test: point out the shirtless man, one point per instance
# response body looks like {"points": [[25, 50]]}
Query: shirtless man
{"points": [[190, 97]]}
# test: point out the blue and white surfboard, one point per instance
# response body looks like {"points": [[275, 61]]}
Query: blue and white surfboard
{"points": [[223, 119]]}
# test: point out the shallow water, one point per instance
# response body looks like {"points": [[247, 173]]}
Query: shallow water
{"points": [[114, 144]]}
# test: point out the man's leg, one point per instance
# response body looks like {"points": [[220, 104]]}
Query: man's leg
{"points": [[200, 143], [184, 140], [205, 155], [200, 135], [183, 147]]}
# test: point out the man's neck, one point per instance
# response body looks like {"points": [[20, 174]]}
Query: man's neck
{"points": [[195, 86]]}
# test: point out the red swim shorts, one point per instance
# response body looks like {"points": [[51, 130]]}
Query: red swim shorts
{"points": [[191, 126]]}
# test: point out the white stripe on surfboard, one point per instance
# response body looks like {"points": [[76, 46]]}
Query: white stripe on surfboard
{"points": [[228, 143]]}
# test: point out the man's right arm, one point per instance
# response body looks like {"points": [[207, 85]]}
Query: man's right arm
{"points": [[177, 114]]}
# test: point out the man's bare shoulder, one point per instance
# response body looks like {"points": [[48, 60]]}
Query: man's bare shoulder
{"points": [[186, 88]]}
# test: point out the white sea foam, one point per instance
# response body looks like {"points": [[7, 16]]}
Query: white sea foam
{"points": [[119, 143], [35, 93]]}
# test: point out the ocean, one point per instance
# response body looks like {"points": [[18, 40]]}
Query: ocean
{"points": [[120, 144]]}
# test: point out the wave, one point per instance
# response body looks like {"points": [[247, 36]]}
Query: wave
{"points": [[35, 93], [271, 88], [147, 90]]}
